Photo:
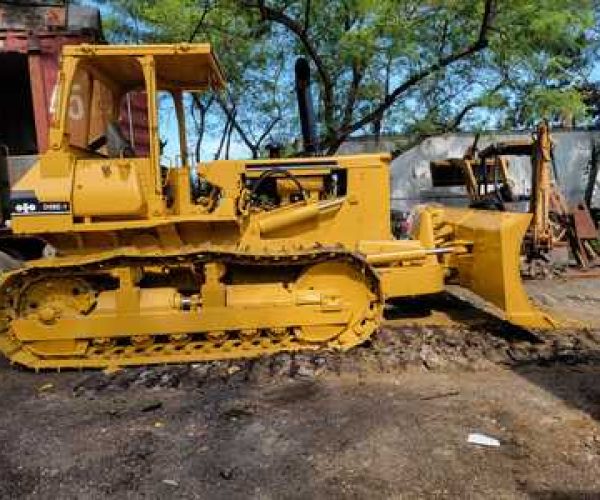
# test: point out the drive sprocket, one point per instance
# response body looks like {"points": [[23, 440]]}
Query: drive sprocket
{"points": [[51, 299]]}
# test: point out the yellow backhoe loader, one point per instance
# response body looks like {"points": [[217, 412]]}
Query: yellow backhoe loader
{"points": [[150, 263], [485, 175]]}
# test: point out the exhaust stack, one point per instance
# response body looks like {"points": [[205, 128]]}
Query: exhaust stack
{"points": [[305, 107]]}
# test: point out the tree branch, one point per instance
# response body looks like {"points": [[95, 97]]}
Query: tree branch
{"points": [[444, 36], [226, 128], [231, 115], [480, 44], [477, 103], [269, 14], [307, 16], [450, 125], [357, 76], [200, 22], [228, 142], [267, 131], [200, 124]]}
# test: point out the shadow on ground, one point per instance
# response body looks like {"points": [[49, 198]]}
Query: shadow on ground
{"points": [[446, 309], [564, 362]]}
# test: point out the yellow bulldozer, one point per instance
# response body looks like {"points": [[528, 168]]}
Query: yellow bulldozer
{"points": [[150, 263]]}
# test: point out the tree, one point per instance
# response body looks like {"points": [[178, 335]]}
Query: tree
{"points": [[252, 107], [402, 66], [424, 66]]}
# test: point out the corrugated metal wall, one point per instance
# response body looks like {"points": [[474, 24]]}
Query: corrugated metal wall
{"points": [[411, 179]]}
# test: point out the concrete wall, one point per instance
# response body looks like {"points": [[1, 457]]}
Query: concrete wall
{"points": [[411, 180]]}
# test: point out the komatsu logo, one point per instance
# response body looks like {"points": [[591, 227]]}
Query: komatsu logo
{"points": [[25, 208], [32, 206]]}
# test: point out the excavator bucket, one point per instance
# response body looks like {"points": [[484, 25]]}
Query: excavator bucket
{"points": [[491, 267]]}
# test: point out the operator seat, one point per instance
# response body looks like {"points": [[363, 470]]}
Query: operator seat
{"points": [[117, 145]]}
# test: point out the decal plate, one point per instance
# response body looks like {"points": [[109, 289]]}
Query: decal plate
{"points": [[32, 206]]}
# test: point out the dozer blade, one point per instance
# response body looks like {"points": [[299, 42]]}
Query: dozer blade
{"points": [[491, 268]]}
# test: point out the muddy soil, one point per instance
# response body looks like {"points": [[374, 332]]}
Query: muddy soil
{"points": [[388, 419]]}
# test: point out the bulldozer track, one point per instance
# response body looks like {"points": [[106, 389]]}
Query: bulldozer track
{"points": [[158, 348]]}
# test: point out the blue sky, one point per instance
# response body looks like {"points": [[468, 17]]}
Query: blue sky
{"points": [[169, 131]]}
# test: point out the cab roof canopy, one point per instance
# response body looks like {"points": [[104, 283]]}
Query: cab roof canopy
{"points": [[192, 67]]}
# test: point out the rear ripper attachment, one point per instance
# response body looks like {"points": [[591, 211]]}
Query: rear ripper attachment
{"points": [[210, 306]]}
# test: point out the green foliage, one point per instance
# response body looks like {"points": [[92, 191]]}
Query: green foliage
{"points": [[382, 63], [555, 104]]}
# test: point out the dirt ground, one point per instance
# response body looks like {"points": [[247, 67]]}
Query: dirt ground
{"points": [[388, 419]]}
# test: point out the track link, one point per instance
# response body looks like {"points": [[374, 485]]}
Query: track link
{"points": [[158, 348]]}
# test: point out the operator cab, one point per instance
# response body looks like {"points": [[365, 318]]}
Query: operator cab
{"points": [[107, 111]]}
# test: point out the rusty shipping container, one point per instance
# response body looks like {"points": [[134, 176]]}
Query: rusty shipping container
{"points": [[31, 39], [32, 35]]}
